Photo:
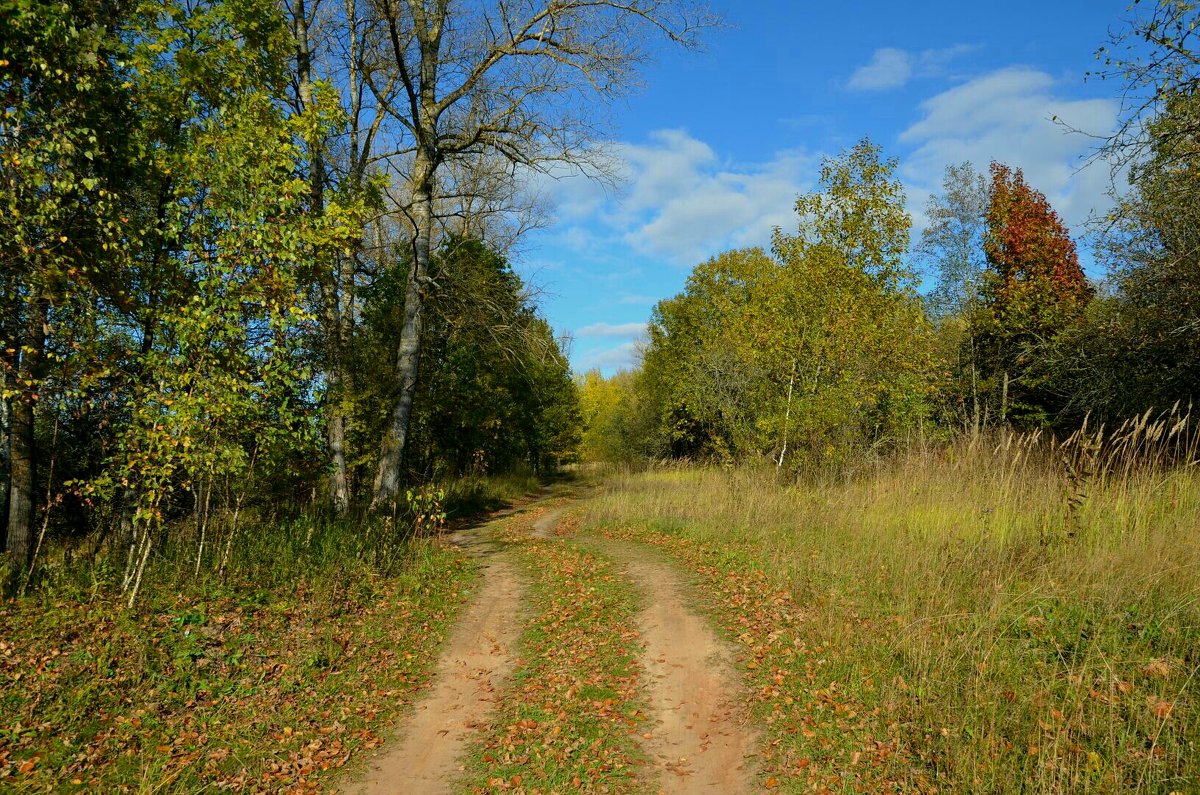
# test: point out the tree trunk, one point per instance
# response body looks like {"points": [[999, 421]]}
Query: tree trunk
{"points": [[22, 444], [1004, 401], [334, 306], [5, 471], [408, 354]]}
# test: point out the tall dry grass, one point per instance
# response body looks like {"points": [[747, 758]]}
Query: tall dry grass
{"points": [[1032, 604]]}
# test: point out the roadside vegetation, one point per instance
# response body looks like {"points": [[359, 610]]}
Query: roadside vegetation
{"points": [[303, 655], [966, 618]]}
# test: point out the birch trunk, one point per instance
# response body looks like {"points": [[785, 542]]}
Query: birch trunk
{"points": [[408, 353], [335, 418]]}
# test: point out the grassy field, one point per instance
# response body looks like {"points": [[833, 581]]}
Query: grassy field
{"points": [[1002, 616]]}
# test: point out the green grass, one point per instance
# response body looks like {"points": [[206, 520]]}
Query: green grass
{"points": [[574, 707], [958, 620]]}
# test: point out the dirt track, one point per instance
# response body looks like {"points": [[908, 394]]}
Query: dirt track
{"points": [[702, 741], [699, 741], [466, 687]]}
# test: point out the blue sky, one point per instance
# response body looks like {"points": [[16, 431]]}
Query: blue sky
{"points": [[717, 145]]}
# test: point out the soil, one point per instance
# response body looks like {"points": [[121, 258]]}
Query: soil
{"points": [[702, 740], [466, 688]]}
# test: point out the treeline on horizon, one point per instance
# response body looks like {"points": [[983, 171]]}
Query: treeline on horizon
{"points": [[820, 353]]}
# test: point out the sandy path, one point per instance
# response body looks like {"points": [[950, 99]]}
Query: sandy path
{"points": [[545, 526], [701, 741], [467, 685]]}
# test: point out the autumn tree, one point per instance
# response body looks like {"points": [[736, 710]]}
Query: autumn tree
{"points": [[508, 80], [1034, 289]]}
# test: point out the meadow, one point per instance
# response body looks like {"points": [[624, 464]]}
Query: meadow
{"points": [[1004, 613]]}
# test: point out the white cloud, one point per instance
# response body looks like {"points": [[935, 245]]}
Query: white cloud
{"points": [[609, 330], [677, 201], [684, 206], [888, 68], [891, 67], [1008, 116]]}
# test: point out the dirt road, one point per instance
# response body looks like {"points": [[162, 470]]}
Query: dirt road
{"points": [[699, 741]]}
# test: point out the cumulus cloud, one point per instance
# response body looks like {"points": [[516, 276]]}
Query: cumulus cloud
{"points": [[610, 330], [888, 68], [891, 67], [1009, 116]]}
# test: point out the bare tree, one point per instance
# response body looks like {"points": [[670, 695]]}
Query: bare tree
{"points": [[514, 81], [1156, 56]]}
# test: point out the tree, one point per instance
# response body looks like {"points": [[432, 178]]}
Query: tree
{"points": [[852, 334], [1139, 348], [698, 377], [1156, 59], [63, 145], [953, 244], [1035, 288], [510, 80], [953, 241], [1140, 351], [820, 348]]}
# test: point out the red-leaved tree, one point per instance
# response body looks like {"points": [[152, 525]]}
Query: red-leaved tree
{"points": [[1034, 289]]}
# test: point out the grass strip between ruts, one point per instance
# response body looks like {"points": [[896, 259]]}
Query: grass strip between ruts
{"points": [[570, 721]]}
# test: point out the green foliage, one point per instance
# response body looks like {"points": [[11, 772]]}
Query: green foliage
{"points": [[1137, 348], [822, 347], [612, 419], [953, 241], [494, 389]]}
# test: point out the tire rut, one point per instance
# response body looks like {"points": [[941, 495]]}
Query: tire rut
{"points": [[467, 686], [702, 740]]}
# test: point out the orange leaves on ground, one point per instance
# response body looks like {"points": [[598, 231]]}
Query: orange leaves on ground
{"points": [[249, 691], [569, 723]]}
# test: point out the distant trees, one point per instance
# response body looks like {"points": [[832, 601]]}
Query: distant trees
{"points": [[813, 350]]}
